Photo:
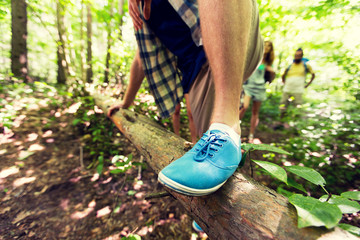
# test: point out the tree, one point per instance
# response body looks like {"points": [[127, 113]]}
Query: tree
{"points": [[89, 71], [82, 53], [19, 59], [109, 42], [63, 65]]}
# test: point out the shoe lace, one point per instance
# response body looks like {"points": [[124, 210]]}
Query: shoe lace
{"points": [[212, 144]]}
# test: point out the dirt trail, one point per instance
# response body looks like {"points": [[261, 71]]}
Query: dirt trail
{"points": [[46, 194]]}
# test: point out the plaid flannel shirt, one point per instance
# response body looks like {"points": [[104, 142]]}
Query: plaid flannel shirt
{"points": [[160, 65]]}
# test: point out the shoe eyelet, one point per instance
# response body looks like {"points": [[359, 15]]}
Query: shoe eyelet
{"points": [[221, 145]]}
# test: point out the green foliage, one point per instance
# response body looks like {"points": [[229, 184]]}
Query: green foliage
{"points": [[326, 211], [132, 237], [326, 139], [4, 9], [307, 173], [121, 163], [16, 89], [312, 212], [98, 132], [352, 195], [343, 203], [264, 147], [273, 169], [352, 229]]}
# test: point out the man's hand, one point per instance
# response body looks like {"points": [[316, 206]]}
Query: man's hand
{"points": [[135, 13], [114, 108]]}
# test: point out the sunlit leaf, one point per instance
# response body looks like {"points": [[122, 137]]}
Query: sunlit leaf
{"points": [[129, 158], [275, 170], [352, 195], [307, 173], [117, 209], [99, 168], [263, 147], [117, 171], [25, 154], [345, 205], [313, 212], [350, 228], [132, 237], [131, 192]]}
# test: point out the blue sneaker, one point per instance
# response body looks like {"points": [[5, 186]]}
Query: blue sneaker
{"points": [[196, 227], [205, 168]]}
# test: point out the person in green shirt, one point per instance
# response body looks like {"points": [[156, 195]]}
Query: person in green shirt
{"points": [[255, 89]]}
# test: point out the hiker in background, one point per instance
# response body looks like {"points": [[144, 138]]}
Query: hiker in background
{"points": [[294, 79], [255, 89]]}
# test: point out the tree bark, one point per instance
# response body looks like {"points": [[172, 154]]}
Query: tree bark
{"points": [[19, 59], [82, 43], [241, 209], [89, 71], [63, 65], [109, 42]]}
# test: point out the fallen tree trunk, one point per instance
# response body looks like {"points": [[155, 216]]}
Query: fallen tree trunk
{"points": [[241, 209]]}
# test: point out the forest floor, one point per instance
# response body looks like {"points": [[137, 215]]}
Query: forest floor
{"points": [[47, 193]]}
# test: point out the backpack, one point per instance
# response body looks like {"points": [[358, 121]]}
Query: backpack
{"points": [[304, 61]]}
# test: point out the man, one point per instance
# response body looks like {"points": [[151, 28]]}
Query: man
{"points": [[294, 79], [169, 37]]}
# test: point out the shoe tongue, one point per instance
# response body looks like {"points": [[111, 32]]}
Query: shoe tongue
{"points": [[218, 132]]}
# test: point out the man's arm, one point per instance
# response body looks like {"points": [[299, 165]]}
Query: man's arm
{"points": [[312, 78], [137, 75]]}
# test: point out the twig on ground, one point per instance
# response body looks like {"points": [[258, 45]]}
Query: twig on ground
{"points": [[140, 167], [157, 195]]}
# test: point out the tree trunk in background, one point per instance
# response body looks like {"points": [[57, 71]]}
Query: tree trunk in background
{"points": [[19, 60], [89, 72], [82, 43], [109, 42], [61, 74], [63, 65]]}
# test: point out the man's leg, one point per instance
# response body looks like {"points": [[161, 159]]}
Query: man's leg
{"points": [[191, 120], [242, 111], [176, 120], [216, 156], [298, 99], [254, 118], [225, 27]]}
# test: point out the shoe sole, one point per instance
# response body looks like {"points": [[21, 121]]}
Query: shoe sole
{"points": [[196, 228], [167, 182]]}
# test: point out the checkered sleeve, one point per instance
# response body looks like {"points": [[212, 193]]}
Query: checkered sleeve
{"points": [[160, 70], [188, 10], [160, 64]]}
